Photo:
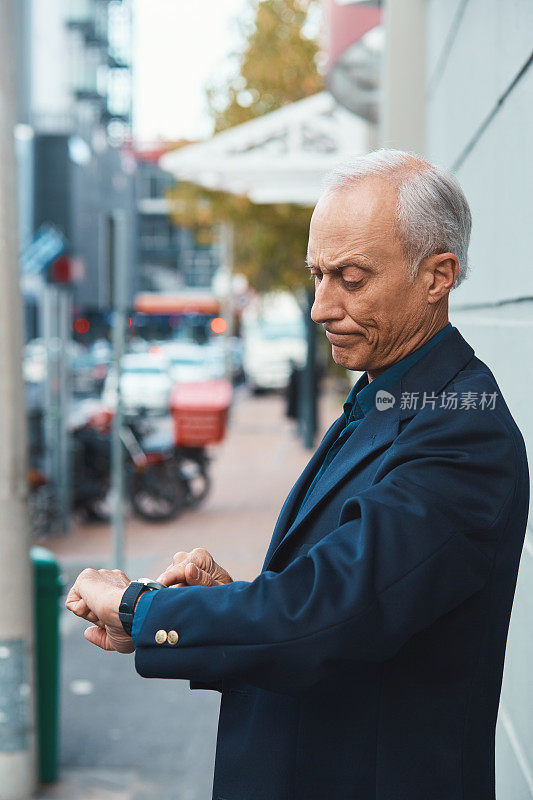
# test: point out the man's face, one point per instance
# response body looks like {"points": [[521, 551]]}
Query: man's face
{"points": [[370, 309]]}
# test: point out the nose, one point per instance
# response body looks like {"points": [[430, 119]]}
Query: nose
{"points": [[327, 305]]}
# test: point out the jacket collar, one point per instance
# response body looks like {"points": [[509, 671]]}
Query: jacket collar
{"points": [[375, 432], [363, 394]]}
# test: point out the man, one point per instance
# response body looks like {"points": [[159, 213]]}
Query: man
{"points": [[365, 661]]}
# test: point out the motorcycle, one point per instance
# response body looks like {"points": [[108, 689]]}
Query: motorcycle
{"points": [[161, 481], [167, 468], [43, 512]]}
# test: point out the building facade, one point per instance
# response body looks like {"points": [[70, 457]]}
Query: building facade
{"points": [[170, 257], [479, 124], [75, 162]]}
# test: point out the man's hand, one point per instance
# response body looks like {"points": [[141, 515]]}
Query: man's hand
{"points": [[197, 568], [96, 596]]}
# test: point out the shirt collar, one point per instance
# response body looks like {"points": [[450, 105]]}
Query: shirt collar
{"points": [[361, 398]]}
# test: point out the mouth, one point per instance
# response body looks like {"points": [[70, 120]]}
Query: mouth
{"points": [[339, 338]]}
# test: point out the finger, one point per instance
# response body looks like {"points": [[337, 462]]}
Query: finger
{"points": [[98, 637], [202, 558], [177, 585], [178, 559], [76, 602], [161, 578], [72, 595], [94, 619], [173, 580], [72, 592], [91, 617], [173, 575], [198, 577], [78, 606]]}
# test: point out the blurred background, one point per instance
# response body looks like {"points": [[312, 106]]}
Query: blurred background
{"points": [[162, 383]]}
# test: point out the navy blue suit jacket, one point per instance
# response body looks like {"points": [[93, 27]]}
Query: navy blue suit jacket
{"points": [[365, 661]]}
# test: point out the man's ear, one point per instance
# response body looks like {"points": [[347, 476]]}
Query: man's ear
{"points": [[442, 269]]}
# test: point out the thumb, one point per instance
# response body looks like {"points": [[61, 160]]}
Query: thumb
{"points": [[97, 636], [198, 577]]}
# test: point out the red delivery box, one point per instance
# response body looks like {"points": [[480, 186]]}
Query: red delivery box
{"points": [[199, 412]]}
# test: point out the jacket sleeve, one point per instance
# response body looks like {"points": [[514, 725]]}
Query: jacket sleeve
{"points": [[407, 550]]}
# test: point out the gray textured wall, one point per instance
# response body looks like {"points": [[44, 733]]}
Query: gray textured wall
{"points": [[480, 124]]}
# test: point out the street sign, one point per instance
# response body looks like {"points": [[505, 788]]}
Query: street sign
{"points": [[47, 245]]}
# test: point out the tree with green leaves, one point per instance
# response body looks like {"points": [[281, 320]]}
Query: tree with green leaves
{"points": [[279, 65]]}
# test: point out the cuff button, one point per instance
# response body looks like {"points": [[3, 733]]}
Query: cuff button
{"points": [[161, 637], [172, 637]]}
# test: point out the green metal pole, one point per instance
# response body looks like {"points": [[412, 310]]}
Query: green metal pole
{"points": [[118, 249], [48, 587]]}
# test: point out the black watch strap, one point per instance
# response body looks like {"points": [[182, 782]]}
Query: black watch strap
{"points": [[126, 609]]}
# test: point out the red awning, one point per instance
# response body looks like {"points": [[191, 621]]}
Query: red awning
{"points": [[346, 24]]}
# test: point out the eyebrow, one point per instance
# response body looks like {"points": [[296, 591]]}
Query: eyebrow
{"points": [[349, 262]]}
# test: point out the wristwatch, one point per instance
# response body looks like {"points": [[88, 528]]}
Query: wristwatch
{"points": [[126, 609]]}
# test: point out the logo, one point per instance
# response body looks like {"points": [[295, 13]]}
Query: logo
{"points": [[384, 400]]}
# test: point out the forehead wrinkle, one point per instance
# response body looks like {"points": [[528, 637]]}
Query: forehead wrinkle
{"points": [[353, 224], [368, 246], [335, 257]]}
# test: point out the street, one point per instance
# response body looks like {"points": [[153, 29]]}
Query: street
{"points": [[126, 738]]}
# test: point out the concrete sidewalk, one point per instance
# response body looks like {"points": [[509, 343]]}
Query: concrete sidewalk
{"points": [[126, 738]]}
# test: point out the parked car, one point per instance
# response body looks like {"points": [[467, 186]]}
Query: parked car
{"points": [[271, 350], [190, 362], [145, 383], [35, 357], [89, 371]]}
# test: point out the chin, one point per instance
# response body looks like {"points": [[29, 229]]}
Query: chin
{"points": [[346, 358]]}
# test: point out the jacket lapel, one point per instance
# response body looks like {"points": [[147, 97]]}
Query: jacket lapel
{"points": [[376, 432], [299, 487], [434, 371]]}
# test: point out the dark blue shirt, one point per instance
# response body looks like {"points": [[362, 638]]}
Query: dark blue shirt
{"points": [[359, 402]]}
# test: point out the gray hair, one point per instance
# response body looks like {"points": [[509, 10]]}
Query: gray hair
{"points": [[432, 213]]}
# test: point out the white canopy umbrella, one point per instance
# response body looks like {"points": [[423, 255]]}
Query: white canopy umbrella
{"points": [[279, 157]]}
